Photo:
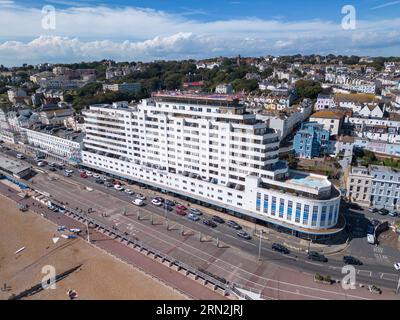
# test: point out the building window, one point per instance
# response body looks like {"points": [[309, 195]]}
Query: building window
{"points": [[323, 216], [273, 206], [281, 208], [314, 216], [298, 212], [289, 210], [305, 214], [258, 202], [266, 204]]}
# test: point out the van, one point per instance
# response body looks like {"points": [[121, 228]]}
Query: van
{"points": [[138, 202], [20, 156]]}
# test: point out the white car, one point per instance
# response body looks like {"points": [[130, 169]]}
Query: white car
{"points": [[138, 202], [128, 191], [96, 176], [118, 187], [40, 164], [104, 178], [140, 196], [69, 171], [156, 202], [89, 173], [20, 156], [82, 170], [397, 266]]}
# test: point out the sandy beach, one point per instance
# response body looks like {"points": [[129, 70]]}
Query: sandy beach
{"points": [[100, 277]]}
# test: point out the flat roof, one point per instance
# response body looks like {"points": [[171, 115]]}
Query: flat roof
{"points": [[12, 165], [308, 180]]}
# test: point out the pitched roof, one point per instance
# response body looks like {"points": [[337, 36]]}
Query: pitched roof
{"points": [[328, 114]]}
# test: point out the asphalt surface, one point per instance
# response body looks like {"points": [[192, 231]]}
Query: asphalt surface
{"points": [[372, 272]]}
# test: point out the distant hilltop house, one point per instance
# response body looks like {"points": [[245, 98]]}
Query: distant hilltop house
{"points": [[123, 87], [207, 65], [224, 88]]}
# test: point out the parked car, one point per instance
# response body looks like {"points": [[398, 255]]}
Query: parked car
{"points": [[351, 260], [383, 212], [52, 169], [156, 202], [193, 217], [53, 165], [312, 255], [397, 266], [66, 174], [138, 202], [372, 210], [20, 156], [180, 207], [159, 199], [41, 164], [118, 187], [280, 248], [83, 175], [128, 191], [181, 212], [69, 171], [169, 203], [210, 223], [167, 207], [99, 181], [140, 196], [109, 184], [96, 176], [82, 170], [218, 219], [393, 214], [234, 225], [89, 173], [244, 235], [61, 210], [195, 211]]}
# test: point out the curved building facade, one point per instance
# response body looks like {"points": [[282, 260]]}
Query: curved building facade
{"points": [[210, 149]]}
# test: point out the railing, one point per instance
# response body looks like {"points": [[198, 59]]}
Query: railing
{"points": [[130, 240]]}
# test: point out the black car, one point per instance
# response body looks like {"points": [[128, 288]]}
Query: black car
{"points": [[234, 225], [244, 235], [383, 212], [210, 223], [167, 207], [169, 203], [280, 248], [159, 199], [99, 181], [52, 169], [312, 255], [352, 261], [109, 184], [218, 219]]}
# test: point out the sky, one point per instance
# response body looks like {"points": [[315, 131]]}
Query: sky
{"points": [[138, 30]]}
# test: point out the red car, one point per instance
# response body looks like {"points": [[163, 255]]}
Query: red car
{"points": [[180, 207], [181, 212], [83, 175]]}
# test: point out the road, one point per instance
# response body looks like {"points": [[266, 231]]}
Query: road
{"points": [[235, 259]]}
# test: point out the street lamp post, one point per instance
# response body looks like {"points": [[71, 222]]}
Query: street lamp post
{"points": [[259, 245], [398, 286]]}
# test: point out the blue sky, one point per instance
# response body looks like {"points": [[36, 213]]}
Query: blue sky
{"points": [[180, 29]]}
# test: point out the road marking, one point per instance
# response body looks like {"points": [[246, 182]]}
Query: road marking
{"points": [[313, 263]]}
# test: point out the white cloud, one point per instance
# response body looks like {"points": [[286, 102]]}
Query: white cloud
{"points": [[87, 33]]}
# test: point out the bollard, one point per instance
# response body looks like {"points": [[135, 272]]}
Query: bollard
{"points": [[151, 219], [182, 230], [217, 243], [200, 236]]}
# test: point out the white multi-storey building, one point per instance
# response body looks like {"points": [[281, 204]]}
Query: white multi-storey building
{"points": [[208, 148], [58, 142]]}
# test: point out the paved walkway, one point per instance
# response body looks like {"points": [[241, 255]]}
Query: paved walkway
{"points": [[170, 277]]}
